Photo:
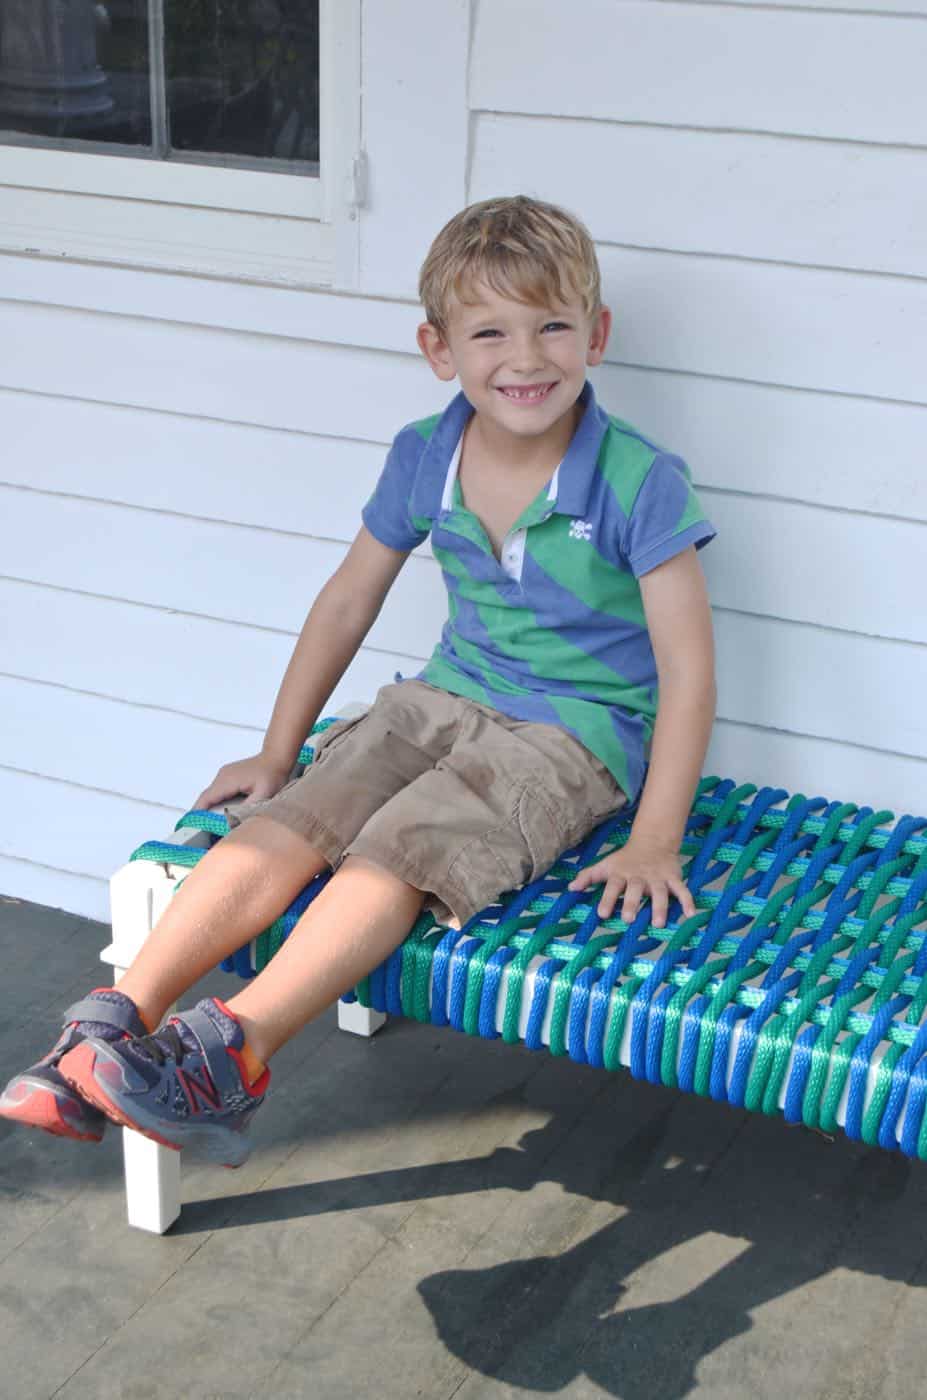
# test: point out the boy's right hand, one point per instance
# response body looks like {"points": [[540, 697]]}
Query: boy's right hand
{"points": [[255, 778]]}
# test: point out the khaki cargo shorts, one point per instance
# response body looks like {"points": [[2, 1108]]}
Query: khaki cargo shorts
{"points": [[453, 797]]}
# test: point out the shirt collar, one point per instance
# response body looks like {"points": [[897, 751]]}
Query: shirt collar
{"points": [[574, 475]]}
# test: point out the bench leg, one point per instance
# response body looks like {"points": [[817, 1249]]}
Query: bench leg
{"points": [[139, 892], [359, 1020]]}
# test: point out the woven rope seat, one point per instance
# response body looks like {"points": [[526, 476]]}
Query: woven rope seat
{"points": [[798, 987]]}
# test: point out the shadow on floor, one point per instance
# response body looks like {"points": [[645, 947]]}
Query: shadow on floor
{"points": [[748, 1211]]}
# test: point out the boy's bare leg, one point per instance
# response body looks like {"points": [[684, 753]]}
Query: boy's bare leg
{"points": [[363, 913], [235, 891]]}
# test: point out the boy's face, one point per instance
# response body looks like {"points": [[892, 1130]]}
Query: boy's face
{"points": [[522, 367]]}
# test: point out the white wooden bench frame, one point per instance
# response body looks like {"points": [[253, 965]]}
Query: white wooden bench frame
{"points": [[139, 894]]}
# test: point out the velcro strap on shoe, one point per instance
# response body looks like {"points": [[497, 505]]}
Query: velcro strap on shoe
{"points": [[107, 1013], [214, 1048]]}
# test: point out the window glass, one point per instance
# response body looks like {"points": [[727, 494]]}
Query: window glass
{"points": [[243, 77], [76, 71], [231, 79]]}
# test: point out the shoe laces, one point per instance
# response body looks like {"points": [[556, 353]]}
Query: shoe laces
{"points": [[163, 1045]]}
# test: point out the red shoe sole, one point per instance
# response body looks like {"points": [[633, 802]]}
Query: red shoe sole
{"points": [[76, 1067], [38, 1108]]}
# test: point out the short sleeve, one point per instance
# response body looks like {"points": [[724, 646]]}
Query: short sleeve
{"points": [[666, 517], [387, 515]]}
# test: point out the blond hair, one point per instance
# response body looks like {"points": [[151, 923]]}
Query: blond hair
{"points": [[521, 247]]}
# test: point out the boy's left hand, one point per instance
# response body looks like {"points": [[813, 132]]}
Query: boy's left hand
{"points": [[640, 869]]}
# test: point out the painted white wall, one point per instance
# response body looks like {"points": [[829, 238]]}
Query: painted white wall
{"points": [[171, 442]]}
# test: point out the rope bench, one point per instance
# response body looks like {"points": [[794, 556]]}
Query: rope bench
{"points": [[798, 987]]}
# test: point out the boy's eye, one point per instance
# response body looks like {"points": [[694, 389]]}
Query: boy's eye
{"points": [[556, 326], [485, 334]]}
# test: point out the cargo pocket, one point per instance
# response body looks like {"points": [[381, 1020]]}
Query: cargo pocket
{"points": [[332, 737], [543, 832]]}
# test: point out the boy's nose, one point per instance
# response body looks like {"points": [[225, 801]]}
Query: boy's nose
{"points": [[526, 354]]}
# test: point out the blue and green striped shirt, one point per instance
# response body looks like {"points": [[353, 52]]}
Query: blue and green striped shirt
{"points": [[554, 631]]}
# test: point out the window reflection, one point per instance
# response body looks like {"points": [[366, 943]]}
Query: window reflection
{"points": [[239, 78], [243, 77], [75, 70]]}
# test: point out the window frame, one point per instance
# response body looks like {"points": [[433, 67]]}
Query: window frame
{"points": [[208, 218]]}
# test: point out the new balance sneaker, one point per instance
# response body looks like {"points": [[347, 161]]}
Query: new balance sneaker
{"points": [[41, 1098], [193, 1083]]}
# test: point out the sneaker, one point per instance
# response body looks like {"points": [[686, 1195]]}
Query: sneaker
{"points": [[193, 1083], [41, 1098]]}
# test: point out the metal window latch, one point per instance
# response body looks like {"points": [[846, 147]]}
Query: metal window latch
{"points": [[355, 182]]}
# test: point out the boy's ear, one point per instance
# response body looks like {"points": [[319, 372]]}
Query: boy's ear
{"points": [[436, 350], [598, 336]]}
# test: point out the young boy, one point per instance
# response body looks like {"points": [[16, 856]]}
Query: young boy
{"points": [[568, 548]]}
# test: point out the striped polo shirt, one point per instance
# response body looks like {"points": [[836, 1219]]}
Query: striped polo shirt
{"points": [[554, 630]]}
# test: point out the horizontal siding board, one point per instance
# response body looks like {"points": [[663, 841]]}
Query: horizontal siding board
{"points": [[886, 7], [210, 373], [843, 76], [804, 327], [827, 449], [265, 477], [261, 580], [73, 829], [779, 559], [772, 557], [148, 754], [817, 767], [165, 660], [749, 196], [859, 454], [40, 884], [371, 322], [827, 685]]}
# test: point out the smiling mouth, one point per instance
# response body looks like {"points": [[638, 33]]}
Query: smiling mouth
{"points": [[528, 393]]}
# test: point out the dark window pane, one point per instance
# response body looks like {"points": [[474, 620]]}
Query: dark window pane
{"points": [[243, 77], [76, 68]]}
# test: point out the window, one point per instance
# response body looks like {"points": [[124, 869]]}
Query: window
{"points": [[219, 136]]}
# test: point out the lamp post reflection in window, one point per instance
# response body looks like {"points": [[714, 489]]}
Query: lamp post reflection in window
{"points": [[49, 70]]}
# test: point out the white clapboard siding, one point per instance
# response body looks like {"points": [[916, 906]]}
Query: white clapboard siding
{"points": [[813, 681], [168, 660], [29, 880], [827, 449], [814, 577], [126, 750], [886, 7], [818, 202], [862, 454], [74, 829], [838, 771], [237, 377], [845, 76], [266, 477], [370, 322], [846, 332]]}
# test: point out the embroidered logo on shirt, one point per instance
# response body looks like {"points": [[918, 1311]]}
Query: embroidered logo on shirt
{"points": [[580, 530]]}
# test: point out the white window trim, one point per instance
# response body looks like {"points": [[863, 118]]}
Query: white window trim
{"points": [[208, 219]]}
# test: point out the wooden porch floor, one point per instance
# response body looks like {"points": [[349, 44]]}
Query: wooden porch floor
{"points": [[429, 1215]]}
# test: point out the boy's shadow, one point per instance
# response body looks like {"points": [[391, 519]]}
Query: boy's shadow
{"points": [[748, 1210], [801, 1208]]}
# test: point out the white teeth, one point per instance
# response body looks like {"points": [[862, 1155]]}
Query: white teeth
{"points": [[526, 393]]}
